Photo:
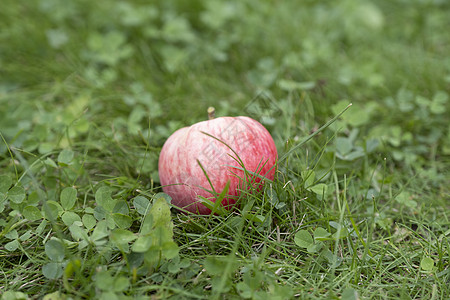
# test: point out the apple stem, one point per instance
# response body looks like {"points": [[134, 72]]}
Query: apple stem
{"points": [[211, 113]]}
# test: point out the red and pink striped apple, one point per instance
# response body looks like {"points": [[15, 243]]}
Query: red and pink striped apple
{"points": [[223, 147]]}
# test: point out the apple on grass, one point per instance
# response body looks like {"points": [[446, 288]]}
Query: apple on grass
{"points": [[216, 159]]}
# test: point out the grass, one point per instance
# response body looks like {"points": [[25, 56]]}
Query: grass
{"points": [[89, 92]]}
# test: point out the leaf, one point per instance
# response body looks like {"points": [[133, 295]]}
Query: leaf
{"points": [[65, 157], [370, 15], [31, 213], [46, 147], [343, 145], [174, 267], [427, 264], [78, 233], [54, 296], [406, 199], [5, 183], [321, 234], [50, 162], [341, 233], [319, 189], [160, 212], [160, 235], [99, 213], [54, 250], [68, 197], [290, 85], [350, 294], [352, 155], [122, 236], [11, 295], [89, 221], [303, 239], [134, 119], [41, 227], [340, 106], [254, 218], [16, 194], [108, 48], [104, 281], [121, 284], [52, 270], [333, 260], [142, 244], [12, 246], [215, 265], [100, 231], [372, 145], [219, 284], [163, 195], [135, 260], [111, 224], [357, 117], [56, 37], [308, 177], [70, 217], [314, 248], [72, 266], [245, 291], [104, 199], [35, 197], [173, 57], [122, 221], [273, 197], [438, 104], [52, 210], [147, 225], [170, 250], [141, 204], [25, 236], [121, 207], [12, 235]]}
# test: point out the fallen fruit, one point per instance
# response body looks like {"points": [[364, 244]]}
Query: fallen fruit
{"points": [[220, 148]]}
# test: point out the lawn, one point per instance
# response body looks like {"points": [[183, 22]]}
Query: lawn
{"points": [[359, 207]]}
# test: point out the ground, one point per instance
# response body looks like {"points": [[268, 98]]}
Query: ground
{"points": [[359, 209]]}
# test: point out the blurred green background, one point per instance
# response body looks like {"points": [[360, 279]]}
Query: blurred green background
{"points": [[156, 65]]}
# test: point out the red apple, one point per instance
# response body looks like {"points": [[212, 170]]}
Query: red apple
{"points": [[221, 146]]}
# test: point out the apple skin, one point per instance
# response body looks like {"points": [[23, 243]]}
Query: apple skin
{"points": [[183, 179]]}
